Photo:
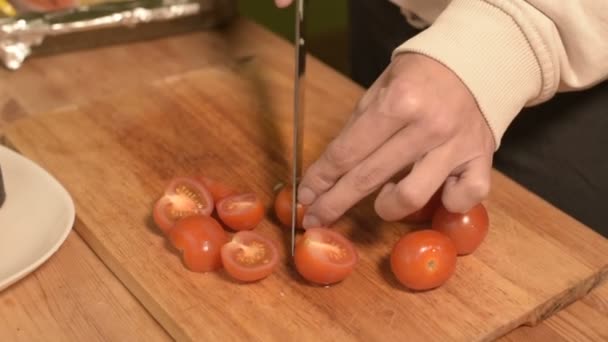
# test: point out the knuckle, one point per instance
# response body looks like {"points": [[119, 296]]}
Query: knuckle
{"points": [[339, 155], [404, 99], [327, 213], [366, 181], [438, 128]]}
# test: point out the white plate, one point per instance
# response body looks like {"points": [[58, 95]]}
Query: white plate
{"points": [[35, 220]]}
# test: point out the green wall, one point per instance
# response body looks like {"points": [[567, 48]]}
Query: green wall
{"points": [[323, 16]]}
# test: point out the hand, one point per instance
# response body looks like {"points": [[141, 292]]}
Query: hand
{"points": [[282, 3], [417, 115]]}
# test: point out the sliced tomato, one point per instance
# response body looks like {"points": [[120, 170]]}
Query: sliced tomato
{"points": [[425, 214], [183, 197], [324, 257], [218, 190], [200, 239], [423, 260], [249, 256], [241, 212], [467, 230], [282, 208]]}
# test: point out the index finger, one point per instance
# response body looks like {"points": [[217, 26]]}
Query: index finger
{"points": [[364, 135]]}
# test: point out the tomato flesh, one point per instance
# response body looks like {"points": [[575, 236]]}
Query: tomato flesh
{"points": [[282, 207], [241, 212], [249, 256], [218, 190], [200, 239], [324, 257], [467, 230], [423, 260], [183, 197]]}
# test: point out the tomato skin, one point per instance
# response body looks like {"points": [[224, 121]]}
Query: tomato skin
{"points": [[282, 208], [425, 214], [324, 257], [199, 238], [218, 190], [249, 256], [423, 260], [183, 196], [467, 230], [241, 212]]}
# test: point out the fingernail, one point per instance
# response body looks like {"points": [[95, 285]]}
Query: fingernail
{"points": [[306, 196], [311, 222]]}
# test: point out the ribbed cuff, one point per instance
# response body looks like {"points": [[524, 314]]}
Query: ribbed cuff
{"points": [[487, 50]]}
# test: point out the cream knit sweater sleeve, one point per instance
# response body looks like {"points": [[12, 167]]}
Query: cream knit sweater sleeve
{"points": [[514, 53]]}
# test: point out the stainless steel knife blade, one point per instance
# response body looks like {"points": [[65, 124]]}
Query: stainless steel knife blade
{"points": [[298, 111]]}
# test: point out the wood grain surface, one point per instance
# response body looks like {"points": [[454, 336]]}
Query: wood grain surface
{"points": [[231, 120], [74, 297]]}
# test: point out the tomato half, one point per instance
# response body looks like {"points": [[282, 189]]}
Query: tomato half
{"points": [[425, 214], [241, 212], [282, 208], [200, 239], [467, 230], [217, 189], [183, 197], [249, 256], [423, 260], [324, 257]]}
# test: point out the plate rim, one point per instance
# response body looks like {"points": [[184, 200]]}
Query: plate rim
{"points": [[31, 267]]}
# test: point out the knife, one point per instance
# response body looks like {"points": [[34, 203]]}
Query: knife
{"points": [[298, 112]]}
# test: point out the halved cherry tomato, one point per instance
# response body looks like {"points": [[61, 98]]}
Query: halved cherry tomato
{"points": [[249, 256], [217, 189], [241, 212], [184, 196], [282, 208], [423, 260], [425, 214], [200, 239], [467, 230], [324, 257]]}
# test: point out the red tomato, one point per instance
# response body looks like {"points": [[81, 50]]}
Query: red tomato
{"points": [[249, 256], [467, 230], [217, 189], [423, 260], [324, 257], [425, 214], [183, 197], [241, 212], [282, 208], [200, 239]]}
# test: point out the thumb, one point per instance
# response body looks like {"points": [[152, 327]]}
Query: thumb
{"points": [[462, 192]]}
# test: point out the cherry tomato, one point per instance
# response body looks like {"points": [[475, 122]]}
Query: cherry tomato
{"points": [[249, 256], [217, 189], [425, 214], [467, 230], [324, 257], [282, 208], [423, 260], [183, 197], [200, 239], [241, 212]]}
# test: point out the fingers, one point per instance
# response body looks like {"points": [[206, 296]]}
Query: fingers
{"points": [[395, 155], [464, 191], [360, 138], [282, 3], [396, 201]]}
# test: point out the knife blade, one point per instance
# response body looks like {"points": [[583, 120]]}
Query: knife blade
{"points": [[298, 112]]}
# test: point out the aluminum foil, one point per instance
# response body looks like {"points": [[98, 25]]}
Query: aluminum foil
{"points": [[19, 34]]}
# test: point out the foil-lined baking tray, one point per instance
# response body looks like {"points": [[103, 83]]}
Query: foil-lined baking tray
{"points": [[23, 27]]}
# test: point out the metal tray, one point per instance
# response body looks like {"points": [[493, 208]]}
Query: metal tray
{"points": [[20, 34]]}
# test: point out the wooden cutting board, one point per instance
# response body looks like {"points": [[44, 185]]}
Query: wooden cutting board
{"points": [[232, 120]]}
